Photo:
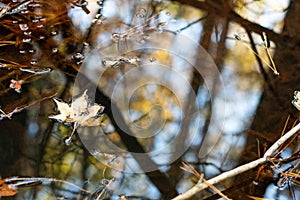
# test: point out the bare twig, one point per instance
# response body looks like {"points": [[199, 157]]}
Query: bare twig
{"points": [[19, 109], [5, 114], [233, 16], [191, 169], [20, 181], [192, 23], [201, 186]]}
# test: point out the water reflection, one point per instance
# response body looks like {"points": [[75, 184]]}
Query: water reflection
{"points": [[147, 69]]}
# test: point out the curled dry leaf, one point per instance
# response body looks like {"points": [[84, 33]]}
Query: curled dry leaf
{"points": [[80, 111], [5, 190], [16, 85]]}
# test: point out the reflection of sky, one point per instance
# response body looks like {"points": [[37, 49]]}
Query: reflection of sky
{"points": [[272, 13], [266, 14], [240, 105]]}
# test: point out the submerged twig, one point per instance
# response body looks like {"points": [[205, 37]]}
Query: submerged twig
{"points": [[19, 109], [20, 181], [191, 169], [238, 170], [272, 66], [5, 114]]}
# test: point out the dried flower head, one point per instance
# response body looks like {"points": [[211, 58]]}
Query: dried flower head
{"points": [[16, 85]]}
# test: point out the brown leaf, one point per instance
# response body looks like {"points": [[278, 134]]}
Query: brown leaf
{"points": [[5, 190]]}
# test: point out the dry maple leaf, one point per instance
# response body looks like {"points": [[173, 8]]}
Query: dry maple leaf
{"points": [[81, 112]]}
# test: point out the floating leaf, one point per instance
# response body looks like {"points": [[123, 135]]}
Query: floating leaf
{"points": [[16, 85], [5, 190], [80, 112]]}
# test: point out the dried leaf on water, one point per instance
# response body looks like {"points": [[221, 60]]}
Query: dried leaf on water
{"points": [[5, 190], [80, 111]]}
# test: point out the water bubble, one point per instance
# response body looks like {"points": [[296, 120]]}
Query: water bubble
{"points": [[15, 21], [68, 141], [54, 33], [78, 56], [41, 37], [40, 26], [33, 62], [23, 27], [152, 59], [31, 50], [95, 152], [108, 62], [105, 182], [116, 36], [160, 26], [100, 2], [98, 16], [143, 10], [26, 40], [35, 5], [27, 33], [131, 60], [22, 51], [141, 13], [24, 12], [237, 37], [55, 50], [85, 3], [255, 182]]}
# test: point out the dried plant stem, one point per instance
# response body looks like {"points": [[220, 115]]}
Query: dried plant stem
{"points": [[19, 109], [5, 114], [201, 186], [21, 181]]}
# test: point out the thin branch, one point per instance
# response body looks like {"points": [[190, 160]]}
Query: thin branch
{"points": [[190, 24], [281, 140], [19, 109], [262, 70], [251, 165], [257, 57], [20, 181], [232, 16], [192, 170]]}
